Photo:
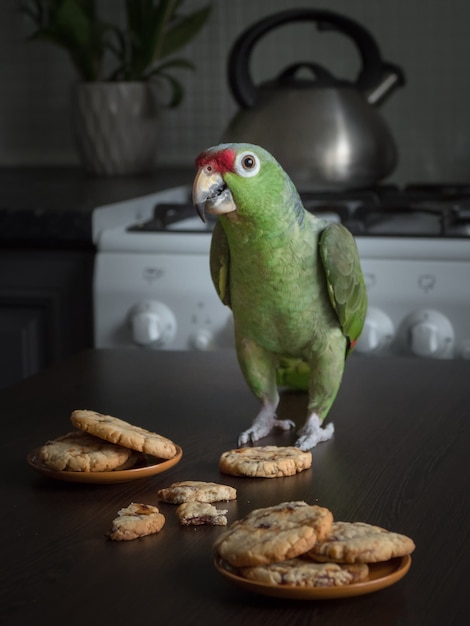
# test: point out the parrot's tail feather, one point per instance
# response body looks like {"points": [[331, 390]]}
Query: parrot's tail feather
{"points": [[294, 374]]}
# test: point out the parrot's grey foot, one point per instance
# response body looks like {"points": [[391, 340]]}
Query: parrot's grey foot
{"points": [[312, 433], [284, 424], [261, 427]]}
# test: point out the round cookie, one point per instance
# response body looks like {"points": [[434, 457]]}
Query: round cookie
{"points": [[121, 432], [273, 534], [81, 452], [265, 461], [196, 491], [136, 520], [358, 542], [301, 572]]}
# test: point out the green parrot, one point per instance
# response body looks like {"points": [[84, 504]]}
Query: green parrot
{"points": [[293, 282]]}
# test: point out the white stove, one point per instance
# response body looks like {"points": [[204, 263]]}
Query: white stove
{"points": [[152, 286]]}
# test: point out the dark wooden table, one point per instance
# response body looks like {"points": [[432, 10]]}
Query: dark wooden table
{"points": [[399, 458]]}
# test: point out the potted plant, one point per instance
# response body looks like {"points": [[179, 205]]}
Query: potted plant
{"points": [[117, 100]]}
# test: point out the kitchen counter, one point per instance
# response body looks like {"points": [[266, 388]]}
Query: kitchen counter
{"points": [[47, 258], [52, 206], [399, 459]]}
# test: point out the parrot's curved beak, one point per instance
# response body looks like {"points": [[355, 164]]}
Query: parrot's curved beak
{"points": [[211, 194]]}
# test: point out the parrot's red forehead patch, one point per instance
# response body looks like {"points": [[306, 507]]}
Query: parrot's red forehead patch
{"points": [[221, 161]]}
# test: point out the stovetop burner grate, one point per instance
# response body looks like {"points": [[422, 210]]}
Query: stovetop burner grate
{"points": [[387, 210]]}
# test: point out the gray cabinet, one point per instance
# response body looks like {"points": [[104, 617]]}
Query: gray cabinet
{"points": [[45, 309]]}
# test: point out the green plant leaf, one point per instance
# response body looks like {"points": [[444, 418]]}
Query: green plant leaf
{"points": [[173, 63], [183, 30], [146, 23], [155, 29], [71, 25]]}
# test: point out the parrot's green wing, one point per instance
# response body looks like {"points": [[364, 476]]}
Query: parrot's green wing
{"points": [[346, 288], [220, 263]]}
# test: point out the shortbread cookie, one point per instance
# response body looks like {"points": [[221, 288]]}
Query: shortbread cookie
{"points": [[81, 452], [358, 542], [118, 431], [274, 534], [196, 491], [301, 572], [136, 520], [199, 513], [265, 461]]}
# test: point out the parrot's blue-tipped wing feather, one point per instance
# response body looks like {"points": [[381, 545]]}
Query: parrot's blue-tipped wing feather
{"points": [[346, 287], [220, 263]]}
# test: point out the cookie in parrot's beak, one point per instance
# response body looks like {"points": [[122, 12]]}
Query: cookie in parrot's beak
{"points": [[211, 194]]}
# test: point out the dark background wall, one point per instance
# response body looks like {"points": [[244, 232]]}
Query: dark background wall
{"points": [[429, 117]]}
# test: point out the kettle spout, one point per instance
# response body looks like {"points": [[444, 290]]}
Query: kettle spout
{"points": [[393, 78]]}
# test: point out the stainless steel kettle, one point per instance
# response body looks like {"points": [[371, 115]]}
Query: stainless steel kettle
{"points": [[325, 132]]}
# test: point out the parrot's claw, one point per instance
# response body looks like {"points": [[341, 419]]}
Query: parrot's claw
{"points": [[261, 427], [248, 436], [284, 424], [312, 433]]}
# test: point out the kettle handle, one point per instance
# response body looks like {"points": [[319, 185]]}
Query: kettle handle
{"points": [[241, 84]]}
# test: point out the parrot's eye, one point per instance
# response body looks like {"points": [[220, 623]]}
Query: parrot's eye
{"points": [[247, 164]]}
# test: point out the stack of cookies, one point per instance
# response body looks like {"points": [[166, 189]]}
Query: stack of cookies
{"points": [[103, 443], [297, 544], [195, 499], [136, 520]]}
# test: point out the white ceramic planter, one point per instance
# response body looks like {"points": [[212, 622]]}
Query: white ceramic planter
{"points": [[116, 127]]}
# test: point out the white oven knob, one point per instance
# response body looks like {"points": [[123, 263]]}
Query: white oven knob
{"points": [[152, 324], [430, 334], [377, 332], [202, 339]]}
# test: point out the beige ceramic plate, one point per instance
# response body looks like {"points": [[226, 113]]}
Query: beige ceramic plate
{"points": [[381, 575], [152, 467]]}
